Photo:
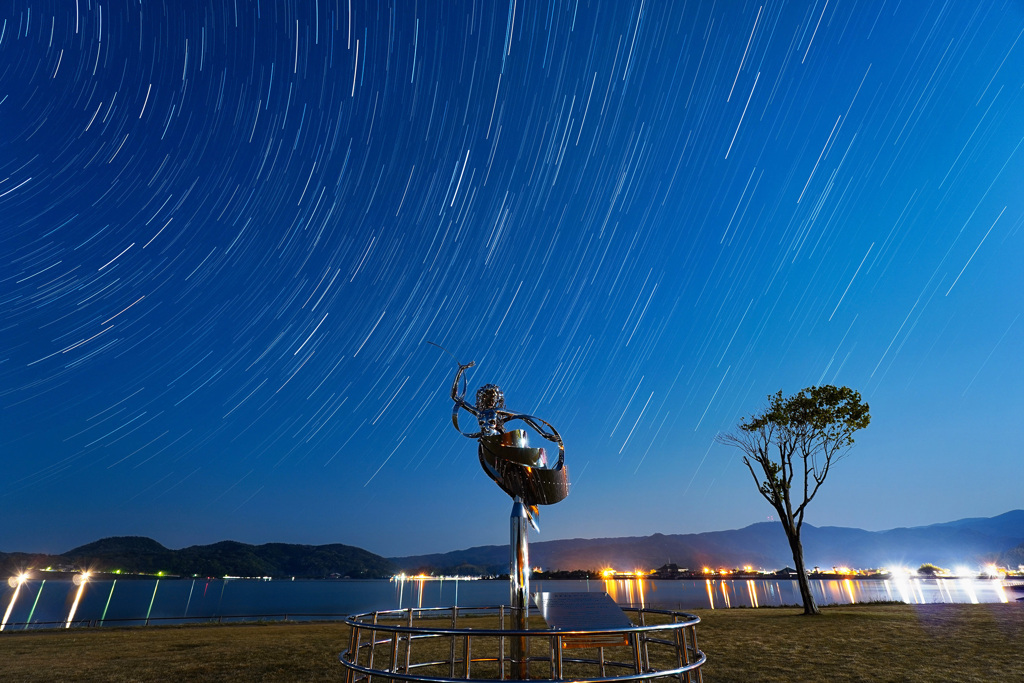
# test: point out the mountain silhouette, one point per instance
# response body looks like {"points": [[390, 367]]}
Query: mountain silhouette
{"points": [[965, 541], [969, 542], [138, 554]]}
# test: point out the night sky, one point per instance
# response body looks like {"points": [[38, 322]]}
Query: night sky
{"points": [[228, 230]]}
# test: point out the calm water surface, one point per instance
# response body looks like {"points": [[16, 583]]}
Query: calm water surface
{"points": [[51, 603]]}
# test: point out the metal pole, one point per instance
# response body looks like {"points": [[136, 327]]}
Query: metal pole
{"points": [[451, 653], [519, 582], [638, 665], [373, 645], [408, 643], [501, 644]]}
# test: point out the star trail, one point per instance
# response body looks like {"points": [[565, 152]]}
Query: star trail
{"points": [[229, 228]]}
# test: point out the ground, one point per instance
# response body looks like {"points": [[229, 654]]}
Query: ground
{"points": [[848, 643]]}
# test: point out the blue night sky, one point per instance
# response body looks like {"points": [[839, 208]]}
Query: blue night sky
{"points": [[228, 230]]}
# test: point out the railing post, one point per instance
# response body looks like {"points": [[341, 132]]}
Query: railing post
{"points": [[394, 651], [634, 638], [693, 643], [408, 644], [451, 652], [501, 643], [353, 649], [373, 646], [558, 657], [682, 658], [642, 637]]}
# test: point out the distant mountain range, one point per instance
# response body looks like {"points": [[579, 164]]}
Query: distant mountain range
{"points": [[138, 554], [967, 541]]}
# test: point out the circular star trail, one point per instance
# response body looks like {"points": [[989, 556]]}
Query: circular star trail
{"points": [[228, 230]]}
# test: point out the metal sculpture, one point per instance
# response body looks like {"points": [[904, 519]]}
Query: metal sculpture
{"points": [[588, 621], [506, 456], [522, 472]]}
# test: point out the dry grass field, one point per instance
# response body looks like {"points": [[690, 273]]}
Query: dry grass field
{"points": [[851, 643]]}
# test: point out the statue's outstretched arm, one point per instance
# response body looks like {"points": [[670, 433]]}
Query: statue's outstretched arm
{"points": [[460, 397], [460, 400]]}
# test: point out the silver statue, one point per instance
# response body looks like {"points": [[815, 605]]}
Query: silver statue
{"points": [[505, 454], [523, 473]]}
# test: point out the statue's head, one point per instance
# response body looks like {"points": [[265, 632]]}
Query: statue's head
{"points": [[489, 397]]}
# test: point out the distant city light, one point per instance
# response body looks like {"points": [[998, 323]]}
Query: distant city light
{"points": [[427, 577], [14, 582]]}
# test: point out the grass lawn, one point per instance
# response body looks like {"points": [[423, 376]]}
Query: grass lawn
{"points": [[849, 643]]}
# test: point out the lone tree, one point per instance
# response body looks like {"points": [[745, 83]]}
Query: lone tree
{"points": [[789, 449]]}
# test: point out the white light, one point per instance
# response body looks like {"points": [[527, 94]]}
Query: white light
{"points": [[14, 582]]}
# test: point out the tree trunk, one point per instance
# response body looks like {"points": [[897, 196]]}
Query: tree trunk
{"points": [[810, 607]]}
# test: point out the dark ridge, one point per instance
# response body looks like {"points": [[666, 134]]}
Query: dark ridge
{"points": [[762, 545], [141, 555]]}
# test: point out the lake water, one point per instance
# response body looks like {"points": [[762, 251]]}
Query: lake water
{"points": [[53, 603]]}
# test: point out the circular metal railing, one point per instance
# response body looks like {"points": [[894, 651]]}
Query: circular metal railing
{"points": [[449, 644]]}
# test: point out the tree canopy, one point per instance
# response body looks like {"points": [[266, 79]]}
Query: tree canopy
{"points": [[813, 428]]}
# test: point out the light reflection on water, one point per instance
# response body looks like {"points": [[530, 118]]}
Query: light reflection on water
{"points": [[135, 601], [727, 593]]}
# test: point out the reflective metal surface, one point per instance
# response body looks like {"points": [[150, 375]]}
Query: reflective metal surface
{"points": [[519, 583], [522, 472], [410, 645], [505, 454]]}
